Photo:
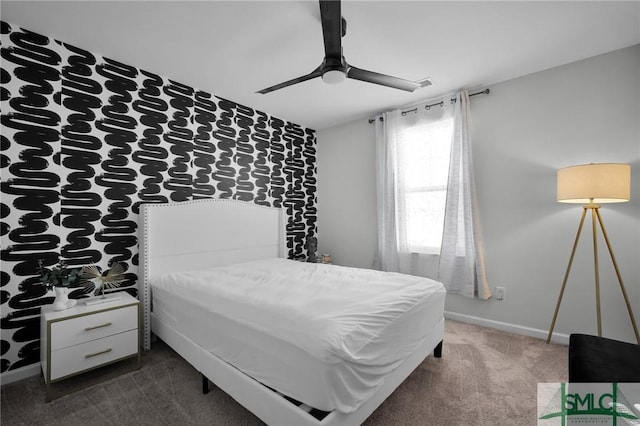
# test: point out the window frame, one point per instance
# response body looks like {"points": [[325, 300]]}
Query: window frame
{"points": [[424, 187]]}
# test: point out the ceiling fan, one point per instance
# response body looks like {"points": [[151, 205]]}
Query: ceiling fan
{"points": [[334, 68]]}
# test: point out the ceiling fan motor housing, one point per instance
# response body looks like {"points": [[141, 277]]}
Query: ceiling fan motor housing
{"points": [[334, 70]]}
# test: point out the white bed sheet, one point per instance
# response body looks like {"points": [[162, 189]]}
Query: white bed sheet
{"points": [[322, 334]]}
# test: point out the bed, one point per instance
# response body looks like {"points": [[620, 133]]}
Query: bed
{"points": [[293, 342]]}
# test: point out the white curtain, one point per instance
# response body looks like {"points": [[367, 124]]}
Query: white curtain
{"points": [[461, 266], [460, 263], [387, 255]]}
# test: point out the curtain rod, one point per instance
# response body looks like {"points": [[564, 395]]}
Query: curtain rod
{"points": [[441, 104]]}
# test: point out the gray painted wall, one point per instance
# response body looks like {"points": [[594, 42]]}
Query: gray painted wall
{"points": [[527, 128]]}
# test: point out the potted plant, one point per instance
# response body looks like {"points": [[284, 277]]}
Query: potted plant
{"points": [[60, 278]]}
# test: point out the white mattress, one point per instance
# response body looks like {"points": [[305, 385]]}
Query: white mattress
{"points": [[324, 335]]}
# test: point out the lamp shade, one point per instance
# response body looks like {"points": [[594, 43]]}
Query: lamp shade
{"points": [[597, 183]]}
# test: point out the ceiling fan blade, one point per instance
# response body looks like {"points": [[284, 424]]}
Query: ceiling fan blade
{"points": [[331, 16], [382, 79], [313, 74]]}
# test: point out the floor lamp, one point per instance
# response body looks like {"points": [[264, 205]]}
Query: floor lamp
{"points": [[592, 185]]}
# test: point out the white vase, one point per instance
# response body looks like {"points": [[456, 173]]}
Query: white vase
{"points": [[62, 300]]}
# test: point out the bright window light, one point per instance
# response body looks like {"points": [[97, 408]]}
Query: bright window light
{"points": [[423, 167]]}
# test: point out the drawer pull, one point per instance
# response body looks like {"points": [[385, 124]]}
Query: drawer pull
{"points": [[106, 324], [98, 353]]}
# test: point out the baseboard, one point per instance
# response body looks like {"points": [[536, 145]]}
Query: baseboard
{"points": [[560, 338], [20, 373]]}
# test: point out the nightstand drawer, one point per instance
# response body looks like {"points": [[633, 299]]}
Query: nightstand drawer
{"points": [[86, 328], [73, 359]]}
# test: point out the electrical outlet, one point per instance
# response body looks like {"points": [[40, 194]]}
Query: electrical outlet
{"points": [[500, 293]]}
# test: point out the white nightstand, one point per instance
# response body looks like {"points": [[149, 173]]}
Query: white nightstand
{"points": [[86, 337]]}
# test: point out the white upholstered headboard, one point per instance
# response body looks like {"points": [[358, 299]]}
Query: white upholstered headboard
{"points": [[204, 233]]}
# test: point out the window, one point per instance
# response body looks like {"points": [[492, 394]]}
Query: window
{"points": [[427, 222], [423, 168]]}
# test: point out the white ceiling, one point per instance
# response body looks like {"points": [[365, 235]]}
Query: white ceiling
{"points": [[234, 48]]}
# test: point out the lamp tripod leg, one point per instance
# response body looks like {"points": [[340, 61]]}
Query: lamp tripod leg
{"points": [[594, 213], [615, 266], [566, 275]]}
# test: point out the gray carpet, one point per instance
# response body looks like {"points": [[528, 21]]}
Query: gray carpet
{"points": [[485, 377]]}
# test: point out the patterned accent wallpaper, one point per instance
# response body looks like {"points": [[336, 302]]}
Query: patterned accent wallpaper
{"points": [[86, 139]]}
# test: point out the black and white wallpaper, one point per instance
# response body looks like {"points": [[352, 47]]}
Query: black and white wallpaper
{"points": [[86, 139]]}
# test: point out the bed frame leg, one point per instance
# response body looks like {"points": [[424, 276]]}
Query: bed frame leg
{"points": [[205, 385], [437, 351]]}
